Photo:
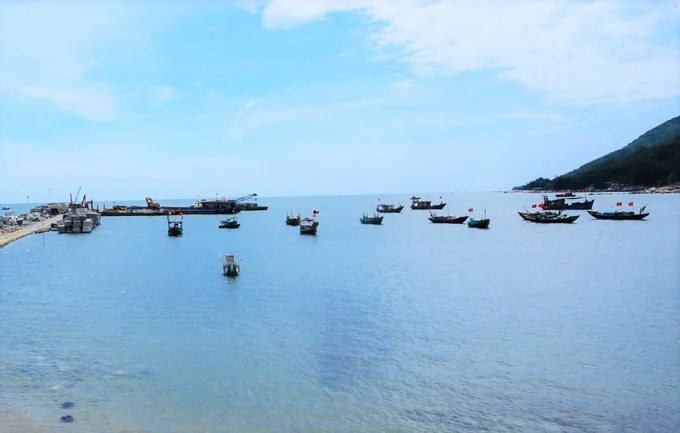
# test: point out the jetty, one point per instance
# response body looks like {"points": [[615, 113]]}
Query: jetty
{"points": [[13, 233]]}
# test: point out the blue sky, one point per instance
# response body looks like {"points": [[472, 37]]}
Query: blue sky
{"points": [[293, 97]]}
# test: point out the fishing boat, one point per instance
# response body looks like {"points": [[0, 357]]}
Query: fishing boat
{"points": [[446, 219], [176, 225], [551, 219], [293, 220], [230, 223], [479, 224], [374, 220], [526, 216], [620, 215], [561, 204], [418, 204], [565, 194], [309, 225], [5, 208], [388, 208], [229, 267]]}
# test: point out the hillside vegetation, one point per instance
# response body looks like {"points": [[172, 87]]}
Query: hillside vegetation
{"points": [[653, 159]]}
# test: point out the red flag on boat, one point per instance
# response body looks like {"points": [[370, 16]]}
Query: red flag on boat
{"points": [[470, 210], [630, 203], [533, 206], [618, 203]]}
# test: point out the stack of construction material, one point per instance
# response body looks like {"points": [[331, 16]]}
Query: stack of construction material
{"points": [[79, 220]]}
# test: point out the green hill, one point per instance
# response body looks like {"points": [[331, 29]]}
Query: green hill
{"points": [[653, 159]]}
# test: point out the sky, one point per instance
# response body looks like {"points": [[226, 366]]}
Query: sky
{"points": [[174, 99]]}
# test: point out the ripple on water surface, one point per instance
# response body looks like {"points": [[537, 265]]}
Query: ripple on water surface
{"points": [[404, 327]]}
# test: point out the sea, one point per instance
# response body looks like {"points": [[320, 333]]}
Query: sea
{"points": [[404, 327]]}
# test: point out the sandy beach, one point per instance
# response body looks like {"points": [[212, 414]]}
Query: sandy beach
{"points": [[37, 227]]}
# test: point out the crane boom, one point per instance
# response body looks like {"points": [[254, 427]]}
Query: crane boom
{"points": [[245, 197]]}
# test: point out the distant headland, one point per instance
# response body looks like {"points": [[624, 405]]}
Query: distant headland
{"points": [[649, 164]]}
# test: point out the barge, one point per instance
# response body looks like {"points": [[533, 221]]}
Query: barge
{"points": [[221, 206]]}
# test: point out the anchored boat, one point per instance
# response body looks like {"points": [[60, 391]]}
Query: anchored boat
{"points": [[478, 224], [388, 208], [552, 219], [620, 215], [526, 216], [230, 268], [309, 225], [418, 204], [293, 220], [561, 204], [446, 219], [374, 220], [176, 225], [230, 223]]}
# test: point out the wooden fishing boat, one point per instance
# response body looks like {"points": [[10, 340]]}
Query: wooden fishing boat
{"points": [[229, 267], [479, 223], [293, 220], [418, 204], [561, 204], [175, 225], [446, 219], [528, 215], [309, 225], [389, 208], [230, 223], [559, 219], [620, 215], [374, 220]]}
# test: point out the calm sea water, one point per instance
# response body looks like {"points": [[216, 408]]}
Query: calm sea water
{"points": [[404, 327]]}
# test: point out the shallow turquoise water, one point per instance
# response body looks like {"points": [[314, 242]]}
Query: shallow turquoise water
{"points": [[405, 327]]}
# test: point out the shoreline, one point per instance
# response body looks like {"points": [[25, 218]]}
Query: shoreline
{"points": [[620, 189], [37, 227]]}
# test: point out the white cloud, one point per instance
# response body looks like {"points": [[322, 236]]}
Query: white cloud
{"points": [[596, 52], [163, 93]]}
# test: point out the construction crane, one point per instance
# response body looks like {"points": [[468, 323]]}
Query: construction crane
{"points": [[150, 204], [244, 198], [72, 204]]}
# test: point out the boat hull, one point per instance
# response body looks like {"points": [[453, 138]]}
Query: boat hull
{"points": [[293, 222], [231, 270], [175, 232], [421, 206], [554, 220], [164, 211], [479, 224], [619, 216], [448, 220], [230, 226], [389, 209], [372, 221], [308, 230]]}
